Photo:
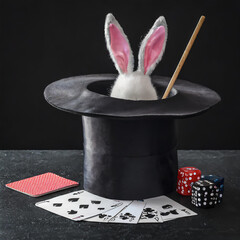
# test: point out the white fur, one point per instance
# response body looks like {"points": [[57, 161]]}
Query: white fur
{"points": [[159, 22], [111, 19], [134, 86]]}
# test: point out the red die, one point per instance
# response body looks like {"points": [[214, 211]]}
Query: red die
{"points": [[186, 177]]}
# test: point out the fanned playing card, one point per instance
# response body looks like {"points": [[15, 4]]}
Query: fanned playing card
{"points": [[106, 216], [169, 209], [130, 214], [78, 205], [41, 184], [151, 212]]}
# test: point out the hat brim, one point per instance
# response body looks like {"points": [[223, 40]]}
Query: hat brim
{"points": [[88, 95]]}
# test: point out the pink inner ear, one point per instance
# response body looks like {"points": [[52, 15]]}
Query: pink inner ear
{"points": [[120, 47], [153, 47]]}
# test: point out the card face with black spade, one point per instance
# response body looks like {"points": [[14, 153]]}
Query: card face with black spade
{"points": [[78, 205], [106, 216], [169, 209], [130, 214], [151, 212]]}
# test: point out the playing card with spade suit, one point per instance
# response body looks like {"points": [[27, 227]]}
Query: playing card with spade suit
{"points": [[78, 205]]}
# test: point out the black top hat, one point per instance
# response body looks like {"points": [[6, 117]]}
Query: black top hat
{"points": [[130, 146]]}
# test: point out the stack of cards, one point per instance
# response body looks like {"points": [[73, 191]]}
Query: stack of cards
{"points": [[41, 184], [78, 205], [82, 205]]}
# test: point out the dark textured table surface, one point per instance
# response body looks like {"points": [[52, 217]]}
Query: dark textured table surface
{"points": [[20, 219]]}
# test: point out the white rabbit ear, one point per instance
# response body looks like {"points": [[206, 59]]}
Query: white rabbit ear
{"points": [[153, 46], [118, 45]]}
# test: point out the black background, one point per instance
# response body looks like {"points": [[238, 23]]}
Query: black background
{"points": [[43, 41]]}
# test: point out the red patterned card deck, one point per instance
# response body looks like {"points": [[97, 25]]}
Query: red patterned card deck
{"points": [[41, 184]]}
